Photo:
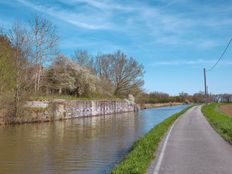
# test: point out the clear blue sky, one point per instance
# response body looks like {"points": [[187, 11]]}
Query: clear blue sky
{"points": [[173, 39]]}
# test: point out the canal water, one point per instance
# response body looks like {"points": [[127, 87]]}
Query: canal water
{"points": [[90, 145]]}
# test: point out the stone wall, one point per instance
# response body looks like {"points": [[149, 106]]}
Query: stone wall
{"points": [[42, 111], [74, 109]]}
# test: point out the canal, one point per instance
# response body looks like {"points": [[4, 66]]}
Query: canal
{"points": [[90, 145]]}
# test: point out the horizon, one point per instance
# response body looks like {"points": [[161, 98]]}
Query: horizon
{"points": [[174, 41]]}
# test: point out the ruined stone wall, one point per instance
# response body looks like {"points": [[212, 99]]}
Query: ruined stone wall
{"points": [[41, 111], [74, 109]]}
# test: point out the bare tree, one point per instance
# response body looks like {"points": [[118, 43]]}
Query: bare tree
{"points": [[103, 65], [126, 74], [83, 58], [44, 42], [20, 42]]}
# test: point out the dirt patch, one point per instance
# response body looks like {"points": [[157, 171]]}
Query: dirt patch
{"points": [[227, 109]]}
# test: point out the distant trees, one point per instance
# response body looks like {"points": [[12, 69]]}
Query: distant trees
{"points": [[184, 97], [198, 97], [161, 97], [158, 97]]}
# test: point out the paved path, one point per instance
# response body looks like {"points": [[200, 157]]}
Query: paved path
{"points": [[193, 147]]}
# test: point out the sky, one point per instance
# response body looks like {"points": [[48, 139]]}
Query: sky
{"points": [[174, 40]]}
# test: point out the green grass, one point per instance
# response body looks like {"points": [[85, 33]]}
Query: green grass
{"points": [[143, 151], [220, 121]]}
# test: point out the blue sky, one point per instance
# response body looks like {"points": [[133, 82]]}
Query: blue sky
{"points": [[173, 39]]}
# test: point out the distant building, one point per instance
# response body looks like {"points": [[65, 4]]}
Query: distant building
{"points": [[222, 98]]}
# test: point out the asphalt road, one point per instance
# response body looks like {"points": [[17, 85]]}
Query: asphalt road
{"points": [[193, 147]]}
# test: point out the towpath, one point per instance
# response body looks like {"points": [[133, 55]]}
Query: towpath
{"points": [[192, 147]]}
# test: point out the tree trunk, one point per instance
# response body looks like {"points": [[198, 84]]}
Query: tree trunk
{"points": [[36, 77], [60, 91]]}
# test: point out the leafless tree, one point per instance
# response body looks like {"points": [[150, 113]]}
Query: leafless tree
{"points": [[103, 65], [44, 42], [126, 74], [19, 40], [83, 58]]}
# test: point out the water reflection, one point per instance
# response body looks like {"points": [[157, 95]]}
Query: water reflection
{"points": [[85, 145]]}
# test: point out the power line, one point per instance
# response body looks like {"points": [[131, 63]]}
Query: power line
{"points": [[220, 56], [205, 83]]}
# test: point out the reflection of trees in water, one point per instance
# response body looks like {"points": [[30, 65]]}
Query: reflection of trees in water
{"points": [[80, 143], [91, 144]]}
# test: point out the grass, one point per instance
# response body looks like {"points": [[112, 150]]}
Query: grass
{"points": [[143, 151], [38, 109], [69, 97], [220, 121]]}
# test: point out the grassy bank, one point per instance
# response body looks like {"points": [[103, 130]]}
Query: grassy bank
{"points": [[220, 121], [69, 98], [142, 152], [157, 105]]}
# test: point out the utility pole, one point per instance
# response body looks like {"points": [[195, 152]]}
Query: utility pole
{"points": [[205, 86]]}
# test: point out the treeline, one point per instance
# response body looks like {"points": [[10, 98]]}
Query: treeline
{"points": [[31, 65], [160, 97]]}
